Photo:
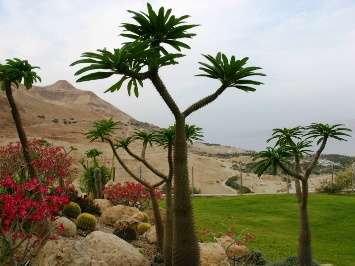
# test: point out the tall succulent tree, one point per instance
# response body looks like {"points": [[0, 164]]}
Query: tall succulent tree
{"points": [[141, 59], [103, 129], [293, 144], [14, 72]]}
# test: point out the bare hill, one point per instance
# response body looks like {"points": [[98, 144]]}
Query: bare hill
{"points": [[62, 114]]}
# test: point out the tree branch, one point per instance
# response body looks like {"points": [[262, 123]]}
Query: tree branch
{"points": [[289, 172], [144, 161], [316, 157], [136, 75], [124, 165], [163, 92], [203, 102]]}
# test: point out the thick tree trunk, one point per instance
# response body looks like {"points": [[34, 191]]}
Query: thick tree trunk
{"points": [[168, 235], [159, 226], [21, 132], [304, 241], [185, 244], [45, 225]]}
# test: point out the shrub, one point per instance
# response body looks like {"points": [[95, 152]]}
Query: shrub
{"points": [[232, 182], [290, 261], [55, 120], [327, 187], [130, 194], [72, 210], [87, 181], [86, 221], [22, 215], [195, 190], [143, 227], [256, 258], [49, 161]]}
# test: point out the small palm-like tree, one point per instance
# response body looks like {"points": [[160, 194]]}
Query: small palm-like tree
{"points": [[139, 60], [14, 72], [292, 144]]}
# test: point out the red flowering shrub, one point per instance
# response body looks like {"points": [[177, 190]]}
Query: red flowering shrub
{"points": [[239, 239], [130, 194], [27, 204], [49, 160]]}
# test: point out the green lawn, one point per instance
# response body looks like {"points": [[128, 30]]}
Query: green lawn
{"points": [[274, 221]]}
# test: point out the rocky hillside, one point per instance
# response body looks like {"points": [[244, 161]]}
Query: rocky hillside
{"points": [[62, 112]]}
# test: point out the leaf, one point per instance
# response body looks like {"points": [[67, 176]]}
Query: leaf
{"points": [[95, 76]]}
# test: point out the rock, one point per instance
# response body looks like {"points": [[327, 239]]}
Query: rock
{"points": [[97, 249], [103, 204], [151, 215], [151, 235], [112, 214], [213, 254], [62, 252], [69, 227], [126, 222], [231, 248], [108, 249]]}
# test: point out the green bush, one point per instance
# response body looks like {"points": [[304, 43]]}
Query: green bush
{"points": [[290, 261], [327, 187], [195, 190], [232, 182], [55, 120], [256, 258], [87, 181]]}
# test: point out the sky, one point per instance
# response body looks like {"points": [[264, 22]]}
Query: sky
{"points": [[306, 48]]}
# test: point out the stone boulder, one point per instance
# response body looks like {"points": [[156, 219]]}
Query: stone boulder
{"points": [[63, 252], [151, 235], [108, 249], [121, 214], [151, 215], [213, 254], [97, 249], [232, 249], [69, 227], [102, 204]]}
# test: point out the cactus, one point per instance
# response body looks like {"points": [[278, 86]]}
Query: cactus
{"points": [[145, 217], [72, 210], [126, 234], [98, 183], [86, 221], [142, 227]]}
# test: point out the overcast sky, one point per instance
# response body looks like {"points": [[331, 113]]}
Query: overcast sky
{"points": [[306, 49]]}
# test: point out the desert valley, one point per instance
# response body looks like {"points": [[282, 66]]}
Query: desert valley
{"points": [[61, 114]]}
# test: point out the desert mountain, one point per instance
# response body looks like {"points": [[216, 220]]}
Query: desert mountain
{"points": [[60, 111]]}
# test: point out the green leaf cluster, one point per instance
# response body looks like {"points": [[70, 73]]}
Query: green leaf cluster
{"points": [[161, 28], [231, 73], [294, 142], [16, 70]]}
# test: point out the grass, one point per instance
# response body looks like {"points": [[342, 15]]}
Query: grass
{"points": [[274, 221]]}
